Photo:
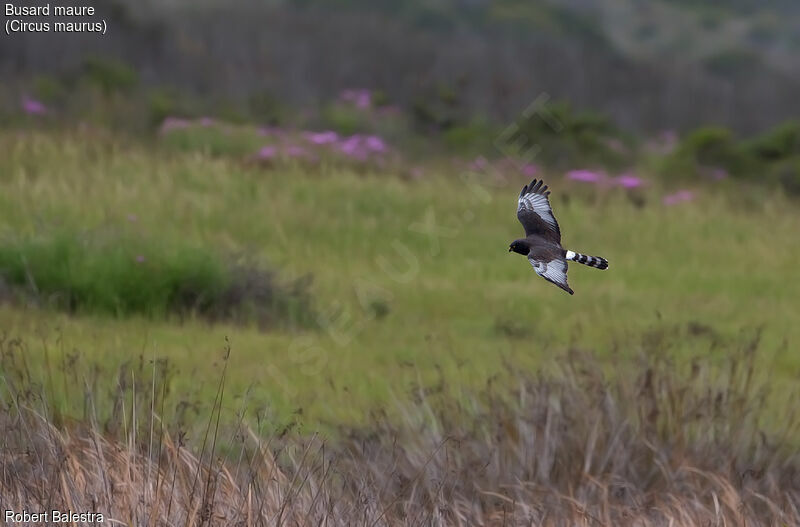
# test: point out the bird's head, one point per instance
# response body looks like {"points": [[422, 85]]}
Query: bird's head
{"points": [[518, 246]]}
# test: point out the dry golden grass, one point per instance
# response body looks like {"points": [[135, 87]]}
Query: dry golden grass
{"points": [[660, 445]]}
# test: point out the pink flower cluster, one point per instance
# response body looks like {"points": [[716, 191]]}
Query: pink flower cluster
{"points": [[359, 147], [530, 170], [299, 145], [664, 143], [32, 106], [625, 180], [359, 98], [321, 138], [682, 196], [586, 176], [174, 123], [628, 181]]}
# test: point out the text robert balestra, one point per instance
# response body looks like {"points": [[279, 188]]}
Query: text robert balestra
{"points": [[52, 516]]}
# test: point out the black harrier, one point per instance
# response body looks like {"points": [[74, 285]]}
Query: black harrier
{"points": [[542, 241]]}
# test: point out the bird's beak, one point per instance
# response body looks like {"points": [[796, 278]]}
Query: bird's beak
{"points": [[509, 249]]}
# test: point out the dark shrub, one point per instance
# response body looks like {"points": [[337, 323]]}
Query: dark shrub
{"points": [[162, 105], [344, 119], [109, 74], [267, 109], [788, 174], [123, 277], [707, 148], [473, 137], [733, 64], [566, 138], [778, 143], [49, 88]]}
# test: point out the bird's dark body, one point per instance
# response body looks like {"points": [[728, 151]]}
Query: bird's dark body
{"points": [[538, 248], [542, 242]]}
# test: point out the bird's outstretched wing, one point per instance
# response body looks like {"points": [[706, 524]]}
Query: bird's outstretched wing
{"points": [[554, 271], [535, 214]]}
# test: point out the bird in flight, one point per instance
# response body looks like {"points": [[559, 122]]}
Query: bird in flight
{"points": [[542, 241]]}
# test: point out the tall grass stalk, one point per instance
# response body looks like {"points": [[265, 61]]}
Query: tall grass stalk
{"points": [[662, 445]]}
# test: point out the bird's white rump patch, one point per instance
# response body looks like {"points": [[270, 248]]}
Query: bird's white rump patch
{"points": [[570, 255]]}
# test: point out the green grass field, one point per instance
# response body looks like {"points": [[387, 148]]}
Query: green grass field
{"points": [[411, 278]]}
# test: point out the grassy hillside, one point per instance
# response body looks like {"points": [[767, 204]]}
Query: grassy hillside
{"points": [[412, 281]]}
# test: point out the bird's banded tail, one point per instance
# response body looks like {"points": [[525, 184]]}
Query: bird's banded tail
{"points": [[591, 261]]}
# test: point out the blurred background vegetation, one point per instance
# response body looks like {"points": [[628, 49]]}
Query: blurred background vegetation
{"points": [[455, 71]]}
